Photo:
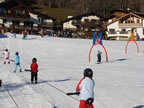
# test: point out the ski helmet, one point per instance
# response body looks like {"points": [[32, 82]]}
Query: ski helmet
{"points": [[16, 53], [34, 60], [6, 50], [88, 73]]}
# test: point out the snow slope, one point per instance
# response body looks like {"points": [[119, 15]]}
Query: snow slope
{"points": [[118, 83]]}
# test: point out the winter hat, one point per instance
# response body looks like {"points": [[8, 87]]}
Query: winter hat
{"points": [[34, 60], [16, 53]]}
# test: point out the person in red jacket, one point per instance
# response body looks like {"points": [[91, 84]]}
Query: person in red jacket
{"points": [[34, 70]]}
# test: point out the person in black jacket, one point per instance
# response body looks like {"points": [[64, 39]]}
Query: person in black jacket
{"points": [[99, 56], [0, 83]]}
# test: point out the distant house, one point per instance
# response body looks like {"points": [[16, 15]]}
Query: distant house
{"points": [[121, 23], [43, 21], [82, 22], [16, 17]]}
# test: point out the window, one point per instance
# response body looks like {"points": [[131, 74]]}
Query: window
{"points": [[93, 20], [86, 20], [28, 23], [123, 30], [16, 22], [4, 20], [111, 29], [138, 21], [2, 10]]}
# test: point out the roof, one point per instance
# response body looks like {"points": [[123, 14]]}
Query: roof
{"points": [[12, 4], [123, 11], [112, 13], [125, 16], [42, 15], [80, 16], [119, 10]]}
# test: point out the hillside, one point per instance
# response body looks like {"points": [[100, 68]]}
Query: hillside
{"points": [[59, 13]]}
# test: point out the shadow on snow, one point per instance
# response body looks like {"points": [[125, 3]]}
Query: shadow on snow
{"points": [[140, 106], [121, 60], [13, 86]]}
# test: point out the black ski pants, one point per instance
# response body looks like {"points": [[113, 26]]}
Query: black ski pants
{"points": [[99, 58], [33, 76]]}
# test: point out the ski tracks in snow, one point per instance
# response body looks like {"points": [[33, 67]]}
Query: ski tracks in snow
{"points": [[50, 93]]}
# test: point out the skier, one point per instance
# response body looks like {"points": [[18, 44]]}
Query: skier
{"points": [[86, 89], [6, 56], [0, 83], [34, 70], [41, 33], [14, 34], [99, 56], [25, 34], [17, 62]]}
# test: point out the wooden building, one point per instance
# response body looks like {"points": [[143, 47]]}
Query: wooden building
{"points": [[89, 21], [16, 17], [121, 23]]}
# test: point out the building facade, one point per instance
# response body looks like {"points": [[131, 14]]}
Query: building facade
{"points": [[16, 17], [121, 24], [82, 22]]}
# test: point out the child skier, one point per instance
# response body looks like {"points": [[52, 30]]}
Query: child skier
{"points": [[86, 86], [17, 62], [14, 34], [34, 70], [6, 56], [99, 56], [25, 34]]}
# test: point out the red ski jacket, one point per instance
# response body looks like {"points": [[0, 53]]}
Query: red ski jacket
{"points": [[34, 67]]}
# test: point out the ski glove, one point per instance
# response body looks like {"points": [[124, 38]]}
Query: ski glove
{"points": [[77, 92]]}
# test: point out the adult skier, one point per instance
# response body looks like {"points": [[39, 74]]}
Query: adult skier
{"points": [[86, 89], [34, 70], [17, 62], [6, 56]]}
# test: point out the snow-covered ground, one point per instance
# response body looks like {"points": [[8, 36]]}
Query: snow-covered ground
{"points": [[118, 83]]}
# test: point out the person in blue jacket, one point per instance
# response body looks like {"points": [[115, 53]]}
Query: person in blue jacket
{"points": [[14, 34], [17, 62]]}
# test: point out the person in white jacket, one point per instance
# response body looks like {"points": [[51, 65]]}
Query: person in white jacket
{"points": [[86, 89]]}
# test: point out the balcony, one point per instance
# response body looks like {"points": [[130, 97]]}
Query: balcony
{"points": [[130, 24], [118, 34], [112, 32], [46, 24], [123, 32], [13, 15], [22, 27]]}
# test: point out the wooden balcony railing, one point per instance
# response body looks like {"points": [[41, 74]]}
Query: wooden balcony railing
{"points": [[14, 15], [22, 27], [119, 32], [123, 32], [130, 24], [112, 32], [47, 24]]}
